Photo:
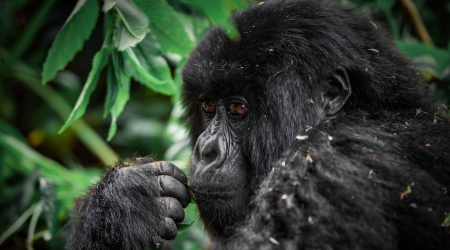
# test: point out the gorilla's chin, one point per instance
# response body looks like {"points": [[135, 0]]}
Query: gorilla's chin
{"points": [[220, 211]]}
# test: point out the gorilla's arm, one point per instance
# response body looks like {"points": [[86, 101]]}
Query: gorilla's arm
{"points": [[129, 206], [341, 189]]}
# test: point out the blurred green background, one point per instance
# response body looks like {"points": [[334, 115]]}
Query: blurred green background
{"points": [[106, 75]]}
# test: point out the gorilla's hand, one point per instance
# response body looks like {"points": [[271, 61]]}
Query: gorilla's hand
{"points": [[174, 195], [131, 205]]}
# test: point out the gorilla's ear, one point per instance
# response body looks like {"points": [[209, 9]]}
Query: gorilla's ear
{"points": [[336, 91]]}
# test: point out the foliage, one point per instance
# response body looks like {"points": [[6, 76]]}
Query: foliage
{"points": [[114, 44]]}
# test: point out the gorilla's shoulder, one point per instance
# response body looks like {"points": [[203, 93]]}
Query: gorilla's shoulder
{"points": [[339, 174]]}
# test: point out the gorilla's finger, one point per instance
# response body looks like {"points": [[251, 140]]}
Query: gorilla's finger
{"points": [[170, 229], [173, 208], [173, 188], [167, 168]]}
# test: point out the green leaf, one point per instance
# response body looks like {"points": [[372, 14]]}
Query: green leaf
{"points": [[19, 150], [148, 54], [217, 14], [140, 74], [182, 227], [385, 4], [11, 130], [48, 198], [122, 97], [417, 49], [111, 89], [166, 20], [108, 4], [133, 27], [114, 79], [167, 44], [100, 60], [71, 37]]}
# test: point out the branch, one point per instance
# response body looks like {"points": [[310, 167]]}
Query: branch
{"points": [[418, 26]]}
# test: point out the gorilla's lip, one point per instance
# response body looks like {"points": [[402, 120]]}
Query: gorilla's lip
{"points": [[198, 193]]}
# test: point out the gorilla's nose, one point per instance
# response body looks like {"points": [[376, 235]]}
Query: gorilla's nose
{"points": [[209, 154]]}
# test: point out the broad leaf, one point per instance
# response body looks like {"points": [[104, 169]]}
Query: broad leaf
{"points": [[417, 49], [71, 37], [167, 44], [100, 60], [166, 20], [134, 24], [141, 74], [216, 12], [148, 54]]}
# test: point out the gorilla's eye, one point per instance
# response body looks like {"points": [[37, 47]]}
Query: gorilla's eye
{"points": [[209, 106], [237, 109]]}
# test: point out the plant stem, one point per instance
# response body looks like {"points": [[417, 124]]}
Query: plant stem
{"points": [[19, 222], [31, 228], [418, 25]]}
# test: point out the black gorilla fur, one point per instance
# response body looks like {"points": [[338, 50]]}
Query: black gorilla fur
{"points": [[338, 188], [346, 193]]}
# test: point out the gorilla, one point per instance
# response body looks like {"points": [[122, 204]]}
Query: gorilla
{"points": [[310, 132]]}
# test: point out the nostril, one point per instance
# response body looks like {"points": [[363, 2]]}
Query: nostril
{"points": [[211, 155]]}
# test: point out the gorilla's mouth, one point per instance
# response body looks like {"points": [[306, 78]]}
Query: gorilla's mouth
{"points": [[201, 194]]}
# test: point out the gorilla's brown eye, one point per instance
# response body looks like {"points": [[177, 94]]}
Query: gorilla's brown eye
{"points": [[209, 106], [237, 109]]}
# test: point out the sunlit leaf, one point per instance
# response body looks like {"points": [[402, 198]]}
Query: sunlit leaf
{"points": [[134, 25], [164, 18], [100, 60], [71, 37]]}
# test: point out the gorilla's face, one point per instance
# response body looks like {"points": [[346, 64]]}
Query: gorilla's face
{"points": [[218, 171]]}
